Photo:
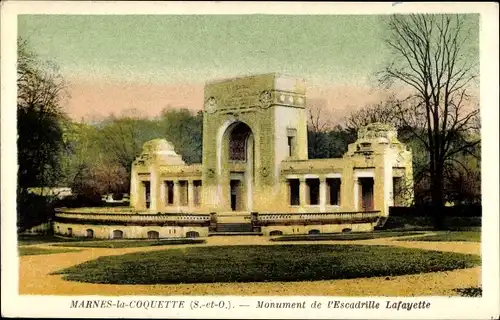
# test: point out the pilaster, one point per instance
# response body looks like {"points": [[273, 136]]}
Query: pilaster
{"points": [[302, 192], [322, 194]]}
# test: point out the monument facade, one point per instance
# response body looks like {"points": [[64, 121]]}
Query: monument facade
{"points": [[255, 176]]}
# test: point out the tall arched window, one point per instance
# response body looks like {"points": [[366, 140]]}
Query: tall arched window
{"points": [[238, 142]]}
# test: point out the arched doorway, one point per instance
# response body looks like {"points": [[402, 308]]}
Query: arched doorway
{"points": [[117, 234], [239, 163], [192, 234], [90, 233], [153, 234]]}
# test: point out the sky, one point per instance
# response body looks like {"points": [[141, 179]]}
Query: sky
{"points": [[118, 63]]}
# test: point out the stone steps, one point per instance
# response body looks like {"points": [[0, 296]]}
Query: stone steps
{"points": [[218, 234], [234, 227]]}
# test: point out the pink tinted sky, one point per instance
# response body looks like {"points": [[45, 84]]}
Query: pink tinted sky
{"points": [[98, 99]]}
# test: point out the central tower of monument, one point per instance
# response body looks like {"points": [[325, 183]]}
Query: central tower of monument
{"points": [[250, 125]]}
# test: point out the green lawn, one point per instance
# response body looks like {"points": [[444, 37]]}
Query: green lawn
{"points": [[472, 236], [33, 251], [346, 236], [40, 239], [264, 263], [129, 243]]}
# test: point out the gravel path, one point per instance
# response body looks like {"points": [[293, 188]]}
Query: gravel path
{"points": [[35, 278]]}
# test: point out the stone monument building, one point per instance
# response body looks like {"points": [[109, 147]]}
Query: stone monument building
{"points": [[255, 176], [255, 160]]}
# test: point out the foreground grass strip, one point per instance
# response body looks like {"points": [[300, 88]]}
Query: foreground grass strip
{"points": [[33, 251], [41, 239], [346, 236], [470, 292], [471, 236], [128, 243], [264, 263]]}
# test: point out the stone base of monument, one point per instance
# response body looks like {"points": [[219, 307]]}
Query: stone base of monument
{"points": [[212, 234], [234, 217]]}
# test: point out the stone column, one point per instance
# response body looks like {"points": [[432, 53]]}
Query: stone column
{"points": [[356, 193], [162, 197], [134, 189], [302, 192], [322, 194], [190, 186], [153, 188], [379, 190], [176, 193]]}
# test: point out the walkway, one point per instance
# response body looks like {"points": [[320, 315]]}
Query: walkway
{"points": [[35, 275]]}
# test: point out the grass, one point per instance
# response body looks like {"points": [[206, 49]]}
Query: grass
{"points": [[469, 236], [346, 236], [129, 243], [33, 251], [264, 263], [41, 239], [470, 292]]}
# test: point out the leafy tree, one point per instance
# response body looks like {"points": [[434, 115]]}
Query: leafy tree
{"points": [[121, 139], [102, 153], [40, 127], [185, 131]]}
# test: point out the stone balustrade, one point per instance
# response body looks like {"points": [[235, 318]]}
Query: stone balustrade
{"points": [[130, 218], [258, 219], [318, 218]]}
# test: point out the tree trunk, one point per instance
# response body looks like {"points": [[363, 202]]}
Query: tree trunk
{"points": [[437, 206]]}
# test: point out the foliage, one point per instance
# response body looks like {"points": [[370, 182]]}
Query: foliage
{"points": [[264, 263], [185, 131], [102, 154], [40, 120], [40, 127]]}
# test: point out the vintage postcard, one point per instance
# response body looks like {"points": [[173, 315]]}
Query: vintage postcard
{"points": [[250, 160]]}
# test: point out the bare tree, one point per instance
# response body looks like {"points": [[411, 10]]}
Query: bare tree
{"points": [[431, 58], [384, 112], [317, 132], [318, 120]]}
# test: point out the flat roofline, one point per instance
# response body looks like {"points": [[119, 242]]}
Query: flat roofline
{"points": [[250, 75]]}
